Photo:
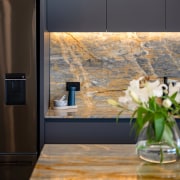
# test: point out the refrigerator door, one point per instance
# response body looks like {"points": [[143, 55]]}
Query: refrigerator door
{"points": [[18, 96]]}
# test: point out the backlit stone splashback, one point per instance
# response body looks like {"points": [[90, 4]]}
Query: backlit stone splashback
{"points": [[104, 63]]}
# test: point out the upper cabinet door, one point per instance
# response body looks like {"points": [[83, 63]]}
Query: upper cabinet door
{"points": [[76, 15], [173, 15], [136, 15]]}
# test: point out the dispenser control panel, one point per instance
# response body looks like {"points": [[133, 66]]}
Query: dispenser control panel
{"points": [[15, 84]]}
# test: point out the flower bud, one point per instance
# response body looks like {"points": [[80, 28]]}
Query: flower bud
{"points": [[134, 96], [167, 103], [113, 102]]}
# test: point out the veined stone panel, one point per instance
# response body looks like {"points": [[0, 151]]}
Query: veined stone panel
{"points": [[104, 63]]}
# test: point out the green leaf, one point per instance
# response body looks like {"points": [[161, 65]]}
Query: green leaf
{"points": [[150, 132], [117, 118], [148, 116], [159, 126], [173, 96], [139, 120], [167, 135], [133, 116], [152, 104]]}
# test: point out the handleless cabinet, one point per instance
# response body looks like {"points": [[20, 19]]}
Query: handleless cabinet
{"points": [[88, 131], [136, 15], [113, 15], [172, 15], [76, 15]]}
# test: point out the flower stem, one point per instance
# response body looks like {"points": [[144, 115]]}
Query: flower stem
{"points": [[161, 155]]}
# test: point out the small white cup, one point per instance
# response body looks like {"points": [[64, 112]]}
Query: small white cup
{"points": [[59, 103]]}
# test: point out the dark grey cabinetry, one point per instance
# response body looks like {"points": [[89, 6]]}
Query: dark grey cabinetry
{"points": [[136, 15], [88, 131], [172, 15], [113, 15], [76, 15]]}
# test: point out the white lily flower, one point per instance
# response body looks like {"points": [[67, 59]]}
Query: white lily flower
{"points": [[134, 84], [167, 103], [142, 94], [158, 91], [155, 88], [128, 102], [174, 88], [124, 100], [134, 96]]}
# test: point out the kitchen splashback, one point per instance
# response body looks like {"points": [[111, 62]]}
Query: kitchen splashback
{"points": [[104, 63]]}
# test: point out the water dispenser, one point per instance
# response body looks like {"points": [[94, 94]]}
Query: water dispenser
{"points": [[15, 92]]}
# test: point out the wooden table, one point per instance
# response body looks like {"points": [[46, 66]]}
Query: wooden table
{"points": [[99, 162]]}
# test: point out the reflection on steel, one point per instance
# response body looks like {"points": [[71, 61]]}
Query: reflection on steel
{"points": [[18, 55]]}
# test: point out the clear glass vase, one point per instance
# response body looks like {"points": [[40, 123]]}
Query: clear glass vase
{"points": [[158, 151]]}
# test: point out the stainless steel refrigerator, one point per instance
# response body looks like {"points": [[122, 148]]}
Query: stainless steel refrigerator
{"points": [[18, 81]]}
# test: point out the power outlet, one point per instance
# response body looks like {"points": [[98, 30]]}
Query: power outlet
{"points": [[73, 84]]}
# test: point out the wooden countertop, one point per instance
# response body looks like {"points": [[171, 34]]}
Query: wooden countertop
{"points": [[99, 162]]}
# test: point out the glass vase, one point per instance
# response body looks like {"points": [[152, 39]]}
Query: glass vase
{"points": [[158, 151]]}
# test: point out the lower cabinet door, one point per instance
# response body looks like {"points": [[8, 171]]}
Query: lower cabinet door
{"points": [[88, 132]]}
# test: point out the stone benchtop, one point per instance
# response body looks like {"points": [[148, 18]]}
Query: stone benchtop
{"points": [[99, 162], [84, 112]]}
